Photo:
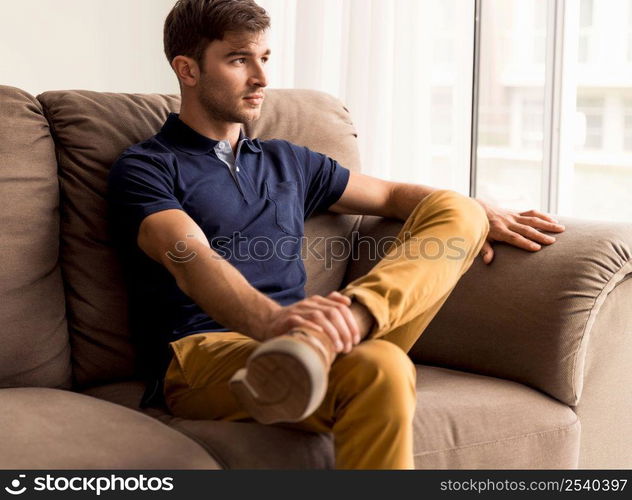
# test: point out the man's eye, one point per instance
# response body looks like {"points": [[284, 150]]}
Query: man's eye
{"points": [[264, 59], [240, 59]]}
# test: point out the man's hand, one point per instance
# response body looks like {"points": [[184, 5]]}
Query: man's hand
{"points": [[518, 229], [330, 314]]}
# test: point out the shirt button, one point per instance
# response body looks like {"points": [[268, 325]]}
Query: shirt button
{"points": [[237, 169], [221, 145]]}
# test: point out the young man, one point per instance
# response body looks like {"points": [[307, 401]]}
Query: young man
{"points": [[243, 340]]}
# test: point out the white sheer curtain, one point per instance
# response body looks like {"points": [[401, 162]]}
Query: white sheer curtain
{"points": [[404, 70]]}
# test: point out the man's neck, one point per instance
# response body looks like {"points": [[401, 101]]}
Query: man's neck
{"points": [[216, 130]]}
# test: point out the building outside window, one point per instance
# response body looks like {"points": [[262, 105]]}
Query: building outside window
{"points": [[515, 160], [630, 31], [627, 126], [441, 112], [532, 115], [511, 102], [585, 29], [592, 109]]}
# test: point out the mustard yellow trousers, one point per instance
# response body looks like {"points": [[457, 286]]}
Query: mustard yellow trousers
{"points": [[370, 401]]}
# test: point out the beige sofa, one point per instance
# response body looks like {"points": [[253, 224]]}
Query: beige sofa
{"points": [[527, 365]]}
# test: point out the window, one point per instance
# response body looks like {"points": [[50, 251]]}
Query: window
{"points": [[532, 120], [554, 113], [494, 122], [403, 69], [627, 126], [630, 31], [511, 102], [443, 45], [441, 113], [598, 163], [539, 32], [585, 29], [592, 109], [584, 99]]}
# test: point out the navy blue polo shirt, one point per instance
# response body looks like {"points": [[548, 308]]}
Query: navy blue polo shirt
{"points": [[252, 212]]}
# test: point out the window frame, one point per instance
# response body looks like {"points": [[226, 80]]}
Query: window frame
{"points": [[559, 105]]}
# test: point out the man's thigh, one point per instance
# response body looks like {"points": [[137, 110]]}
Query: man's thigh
{"points": [[196, 382]]}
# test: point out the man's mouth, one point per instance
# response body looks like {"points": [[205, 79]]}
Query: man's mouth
{"points": [[254, 98]]}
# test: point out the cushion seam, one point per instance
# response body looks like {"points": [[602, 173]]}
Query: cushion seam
{"points": [[206, 446], [585, 327], [512, 438]]}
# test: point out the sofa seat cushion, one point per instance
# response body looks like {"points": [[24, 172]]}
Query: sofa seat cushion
{"points": [[235, 445], [463, 421], [470, 421], [56, 429]]}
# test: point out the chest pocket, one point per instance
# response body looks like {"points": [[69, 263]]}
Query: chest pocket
{"points": [[287, 206]]}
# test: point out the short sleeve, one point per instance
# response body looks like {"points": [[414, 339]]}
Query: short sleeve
{"points": [[137, 187], [325, 180]]}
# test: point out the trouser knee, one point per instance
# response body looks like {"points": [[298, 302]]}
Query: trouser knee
{"points": [[467, 216], [382, 372]]}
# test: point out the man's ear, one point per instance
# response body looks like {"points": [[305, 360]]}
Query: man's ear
{"points": [[187, 70]]}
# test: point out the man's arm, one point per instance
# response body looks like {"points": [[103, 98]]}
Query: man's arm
{"points": [[173, 239], [368, 195], [371, 196]]}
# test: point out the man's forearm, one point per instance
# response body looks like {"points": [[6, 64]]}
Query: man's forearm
{"points": [[222, 291], [405, 197]]}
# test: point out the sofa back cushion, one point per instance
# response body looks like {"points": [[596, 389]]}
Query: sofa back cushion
{"points": [[91, 129], [35, 349]]}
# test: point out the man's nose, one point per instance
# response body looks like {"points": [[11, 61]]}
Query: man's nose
{"points": [[259, 76]]}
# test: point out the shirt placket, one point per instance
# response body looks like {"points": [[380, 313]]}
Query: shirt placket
{"points": [[225, 153]]}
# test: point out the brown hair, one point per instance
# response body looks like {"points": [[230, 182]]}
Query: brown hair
{"points": [[193, 24]]}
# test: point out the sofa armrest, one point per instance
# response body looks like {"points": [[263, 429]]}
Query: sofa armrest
{"points": [[527, 316]]}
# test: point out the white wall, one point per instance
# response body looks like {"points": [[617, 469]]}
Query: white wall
{"points": [[103, 45]]}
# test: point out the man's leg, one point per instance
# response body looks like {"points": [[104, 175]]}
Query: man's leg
{"points": [[395, 300], [403, 292], [393, 304], [370, 398], [369, 404]]}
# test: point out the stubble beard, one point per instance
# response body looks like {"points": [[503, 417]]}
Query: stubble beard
{"points": [[217, 106]]}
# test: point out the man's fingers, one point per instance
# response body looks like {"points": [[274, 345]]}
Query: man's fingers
{"points": [[517, 240], [353, 325], [523, 230], [539, 223], [350, 320], [334, 313], [532, 233], [335, 295], [333, 316], [296, 320], [319, 317], [536, 213], [487, 252]]}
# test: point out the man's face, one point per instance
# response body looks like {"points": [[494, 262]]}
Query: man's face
{"points": [[233, 69]]}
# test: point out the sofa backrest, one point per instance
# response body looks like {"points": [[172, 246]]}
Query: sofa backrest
{"points": [[33, 330], [534, 318], [90, 130]]}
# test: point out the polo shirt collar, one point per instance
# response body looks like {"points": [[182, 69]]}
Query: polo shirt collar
{"points": [[184, 138]]}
